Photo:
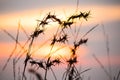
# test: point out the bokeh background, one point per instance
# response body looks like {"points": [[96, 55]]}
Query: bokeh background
{"points": [[26, 12]]}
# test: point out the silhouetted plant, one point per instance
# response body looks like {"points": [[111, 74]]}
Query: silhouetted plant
{"points": [[62, 37]]}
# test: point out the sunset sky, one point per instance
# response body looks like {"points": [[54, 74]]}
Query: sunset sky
{"points": [[26, 12]]}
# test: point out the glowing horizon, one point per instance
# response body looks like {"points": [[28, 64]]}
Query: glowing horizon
{"points": [[41, 48], [28, 18]]}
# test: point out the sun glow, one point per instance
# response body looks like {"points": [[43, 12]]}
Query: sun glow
{"points": [[9, 21], [54, 51], [58, 51]]}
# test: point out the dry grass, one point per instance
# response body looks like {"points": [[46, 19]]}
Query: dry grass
{"points": [[61, 36]]}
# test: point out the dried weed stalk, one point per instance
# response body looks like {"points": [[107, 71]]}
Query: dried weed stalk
{"points": [[61, 36]]}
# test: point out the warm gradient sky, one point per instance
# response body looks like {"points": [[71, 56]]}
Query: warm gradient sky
{"points": [[27, 11]]}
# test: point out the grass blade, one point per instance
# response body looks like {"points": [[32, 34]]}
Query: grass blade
{"points": [[102, 66], [90, 30]]}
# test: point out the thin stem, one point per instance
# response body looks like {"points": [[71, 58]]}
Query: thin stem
{"points": [[16, 40], [45, 78], [53, 74], [101, 65], [118, 76], [77, 6], [108, 50], [78, 31], [14, 69], [90, 30]]}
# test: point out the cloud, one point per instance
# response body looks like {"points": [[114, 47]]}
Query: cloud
{"points": [[100, 2], [17, 5]]}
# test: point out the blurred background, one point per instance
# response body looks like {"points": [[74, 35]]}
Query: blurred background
{"points": [[26, 12]]}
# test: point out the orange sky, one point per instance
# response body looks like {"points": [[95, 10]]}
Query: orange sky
{"points": [[26, 12], [27, 18]]}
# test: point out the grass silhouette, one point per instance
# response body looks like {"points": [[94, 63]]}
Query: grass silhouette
{"points": [[61, 37]]}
